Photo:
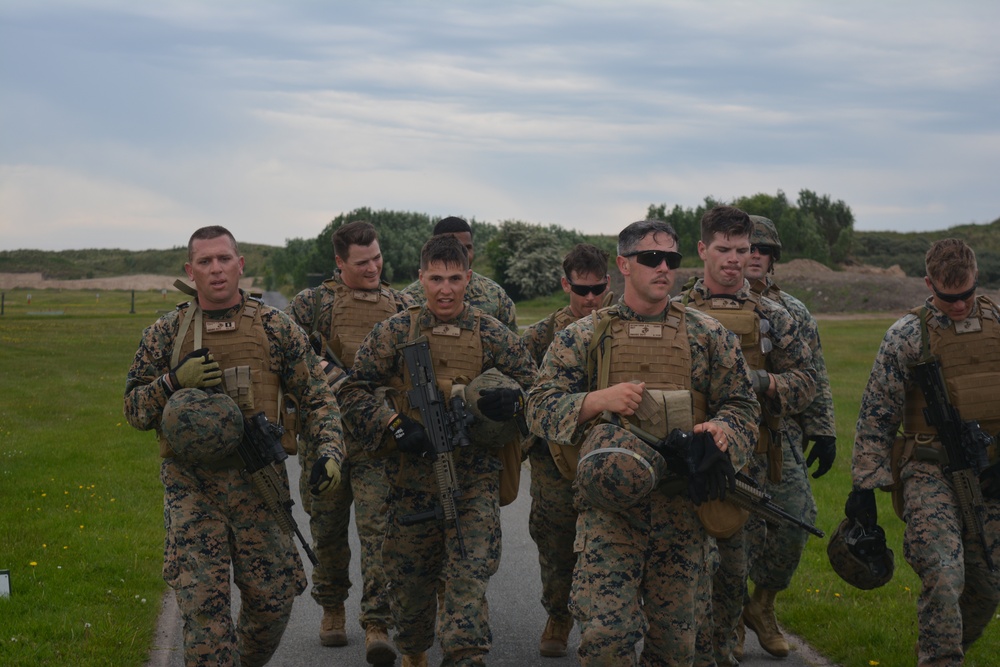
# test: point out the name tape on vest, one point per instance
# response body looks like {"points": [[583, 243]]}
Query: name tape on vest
{"points": [[645, 330]]}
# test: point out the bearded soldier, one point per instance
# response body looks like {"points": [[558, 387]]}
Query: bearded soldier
{"points": [[251, 359]]}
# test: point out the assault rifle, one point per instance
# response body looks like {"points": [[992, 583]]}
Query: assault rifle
{"points": [[964, 443], [446, 430], [259, 449], [748, 494]]}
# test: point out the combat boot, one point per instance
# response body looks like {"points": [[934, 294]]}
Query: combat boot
{"points": [[415, 660], [331, 628], [554, 638], [741, 635], [758, 614], [378, 650]]}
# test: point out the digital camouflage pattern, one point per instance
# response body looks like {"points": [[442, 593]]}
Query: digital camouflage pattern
{"points": [[863, 573], [616, 469], [206, 511], [790, 363], [363, 484], [959, 594], [201, 427], [552, 518], [784, 544], [643, 573], [482, 293], [417, 557]]}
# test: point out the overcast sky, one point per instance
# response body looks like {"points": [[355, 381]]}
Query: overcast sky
{"points": [[130, 124]]}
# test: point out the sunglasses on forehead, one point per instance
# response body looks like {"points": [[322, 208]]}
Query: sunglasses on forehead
{"points": [[952, 298], [653, 258], [584, 290]]}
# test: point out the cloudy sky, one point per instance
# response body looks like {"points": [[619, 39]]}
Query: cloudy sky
{"points": [[129, 124]]}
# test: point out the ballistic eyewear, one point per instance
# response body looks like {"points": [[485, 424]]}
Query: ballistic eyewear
{"points": [[763, 250], [952, 298], [653, 258], [584, 290]]}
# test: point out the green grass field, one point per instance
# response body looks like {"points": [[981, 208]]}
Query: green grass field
{"points": [[82, 503]]}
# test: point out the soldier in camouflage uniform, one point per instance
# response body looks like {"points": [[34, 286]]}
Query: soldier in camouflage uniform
{"points": [[772, 573], [417, 556], [340, 313], [215, 521], [483, 293], [785, 383], [959, 593], [552, 521], [642, 572]]}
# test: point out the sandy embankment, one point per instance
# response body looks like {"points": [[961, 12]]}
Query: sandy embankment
{"points": [[139, 282]]}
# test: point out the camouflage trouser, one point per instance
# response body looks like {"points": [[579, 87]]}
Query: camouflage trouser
{"points": [[212, 520], [784, 544], [329, 520], [552, 525], [417, 557], [640, 575], [717, 631], [960, 594], [371, 488]]}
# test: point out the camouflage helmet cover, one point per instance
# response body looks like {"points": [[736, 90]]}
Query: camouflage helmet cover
{"points": [[616, 469], [484, 430], [765, 233], [861, 557], [201, 427]]}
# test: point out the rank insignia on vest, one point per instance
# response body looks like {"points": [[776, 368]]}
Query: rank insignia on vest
{"points": [[726, 302], [216, 327], [645, 330], [361, 295], [447, 330], [968, 325]]}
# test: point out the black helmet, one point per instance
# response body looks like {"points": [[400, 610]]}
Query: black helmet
{"points": [[860, 556]]}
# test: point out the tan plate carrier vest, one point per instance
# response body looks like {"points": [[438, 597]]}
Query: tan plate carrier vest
{"points": [[241, 347], [969, 353], [657, 353], [741, 318], [354, 314]]}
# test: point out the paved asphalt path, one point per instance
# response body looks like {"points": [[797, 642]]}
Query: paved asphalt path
{"points": [[517, 617]]}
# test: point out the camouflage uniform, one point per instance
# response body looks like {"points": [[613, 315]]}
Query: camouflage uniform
{"points": [[784, 543], [214, 518], [552, 521], [417, 557], [363, 483], [642, 574], [790, 363], [483, 293], [959, 594]]}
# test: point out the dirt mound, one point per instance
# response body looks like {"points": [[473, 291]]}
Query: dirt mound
{"points": [[141, 282]]}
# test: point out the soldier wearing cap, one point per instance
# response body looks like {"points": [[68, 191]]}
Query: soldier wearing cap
{"points": [[784, 381], [783, 546], [552, 521], [421, 553], [340, 313], [960, 592], [198, 371], [483, 293], [643, 555]]}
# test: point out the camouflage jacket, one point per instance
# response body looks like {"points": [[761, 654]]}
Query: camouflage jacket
{"points": [[297, 367], [538, 336], [789, 361], [380, 360], [883, 401], [818, 418], [718, 370], [483, 293]]}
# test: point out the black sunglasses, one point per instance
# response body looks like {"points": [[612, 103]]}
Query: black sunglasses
{"points": [[952, 298], [653, 258], [584, 290], [764, 250]]}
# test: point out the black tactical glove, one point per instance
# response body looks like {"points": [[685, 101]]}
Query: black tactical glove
{"points": [[825, 451], [501, 405], [197, 369], [713, 473], [861, 507], [324, 477], [410, 435]]}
